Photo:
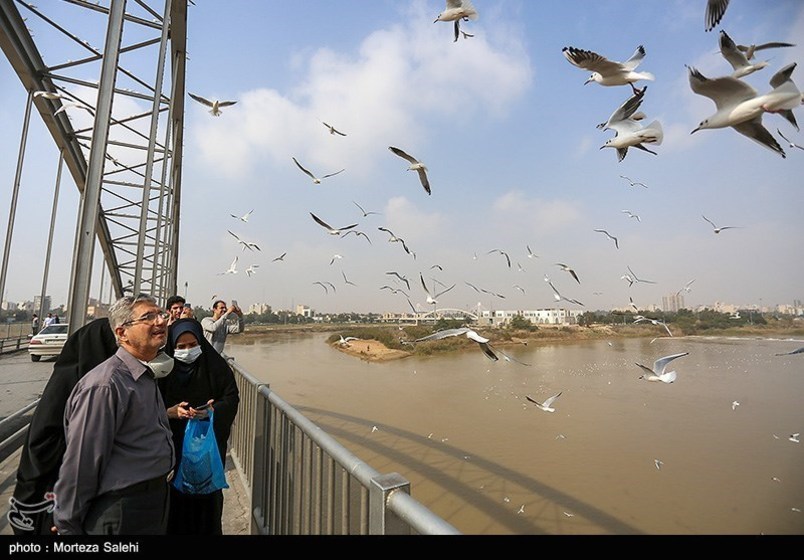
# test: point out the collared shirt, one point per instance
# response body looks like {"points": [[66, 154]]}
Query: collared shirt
{"points": [[117, 434], [216, 331]]}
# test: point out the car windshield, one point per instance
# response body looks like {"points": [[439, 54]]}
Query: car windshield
{"points": [[55, 329]]}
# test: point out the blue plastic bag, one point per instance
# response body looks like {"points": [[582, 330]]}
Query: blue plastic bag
{"points": [[201, 469]]}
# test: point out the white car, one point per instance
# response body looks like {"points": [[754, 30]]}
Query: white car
{"points": [[48, 342]]}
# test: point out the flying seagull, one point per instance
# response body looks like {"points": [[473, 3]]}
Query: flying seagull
{"points": [[629, 133], [750, 50], [465, 331], [347, 280], [332, 230], [718, 229], [610, 236], [568, 269], [365, 213], [280, 257], [315, 179], [635, 278], [796, 351], [400, 277], [457, 10], [631, 215], [415, 165], [790, 142], [244, 217], [737, 58], [334, 258], [606, 72], [640, 319], [530, 253], [232, 268], [246, 244], [252, 269], [633, 183], [687, 287], [628, 110], [507, 258], [558, 296], [332, 129], [658, 371], [714, 13], [547, 405], [215, 106], [358, 233], [394, 239], [432, 297]]}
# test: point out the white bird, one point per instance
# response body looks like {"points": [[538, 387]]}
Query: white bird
{"points": [[632, 215], [521, 509], [568, 269], [628, 110], [520, 288], [741, 108], [365, 213], [252, 269], [547, 404], [635, 278], [737, 58], [332, 129], [658, 372], [345, 341], [458, 10], [606, 72], [658, 464], [507, 258], [246, 244], [232, 268], [686, 287], [633, 183], [244, 217], [734, 405], [52, 95], [468, 333], [750, 50], [631, 134], [215, 105], [329, 228], [714, 13], [358, 233], [400, 277], [394, 239], [568, 514], [716, 228], [315, 179], [530, 253], [790, 142], [374, 429], [655, 322], [558, 297], [346, 280], [610, 236], [73, 105], [280, 257], [334, 258], [432, 297], [415, 165], [794, 437]]}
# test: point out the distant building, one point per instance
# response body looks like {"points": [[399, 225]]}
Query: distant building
{"points": [[304, 311], [259, 309], [672, 303], [8, 306], [556, 316], [37, 304]]}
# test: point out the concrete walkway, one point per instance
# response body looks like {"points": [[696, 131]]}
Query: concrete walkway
{"points": [[22, 382]]}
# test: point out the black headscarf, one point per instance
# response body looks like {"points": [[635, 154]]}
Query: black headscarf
{"points": [[209, 377], [44, 445]]}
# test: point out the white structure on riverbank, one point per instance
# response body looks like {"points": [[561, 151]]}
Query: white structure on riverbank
{"points": [[557, 316]]}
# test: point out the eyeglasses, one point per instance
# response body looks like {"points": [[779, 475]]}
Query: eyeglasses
{"points": [[149, 318]]}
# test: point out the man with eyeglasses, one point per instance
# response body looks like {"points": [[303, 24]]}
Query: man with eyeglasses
{"points": [[219, 326], [119, 453]]}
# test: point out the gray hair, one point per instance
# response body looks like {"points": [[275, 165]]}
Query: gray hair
{"points": [[122, 310]]}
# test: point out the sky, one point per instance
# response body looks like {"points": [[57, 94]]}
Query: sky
{"points": [[506, 128]]}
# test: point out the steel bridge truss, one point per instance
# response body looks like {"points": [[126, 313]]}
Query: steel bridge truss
{"points": [[107, 78]]}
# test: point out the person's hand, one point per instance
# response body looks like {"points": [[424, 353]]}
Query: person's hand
{"points": [[187, 313], [181, 411], [203, 413]]}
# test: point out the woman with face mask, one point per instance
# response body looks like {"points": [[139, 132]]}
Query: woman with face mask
{"points": [[200, 376]]}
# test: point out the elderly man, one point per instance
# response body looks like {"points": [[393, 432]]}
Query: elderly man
{"points": [[119, 449], [218, 327]]}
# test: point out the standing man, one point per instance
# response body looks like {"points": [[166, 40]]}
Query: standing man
{"points": [[34, 324], [217, 327], [119, 449], [49, 320]]}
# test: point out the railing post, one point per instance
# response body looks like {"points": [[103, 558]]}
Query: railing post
{"points": [[381, 520]]}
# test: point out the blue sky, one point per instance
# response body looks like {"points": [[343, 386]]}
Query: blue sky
{"points": [[506, 128]]}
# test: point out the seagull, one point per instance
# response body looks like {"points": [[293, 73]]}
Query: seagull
{"points": [[634, 183], [718, 229], [246, 244], [626, 111], [457, 10], [394, 290], [658, 373], [568, 269], [792, 145], [432, 298], [653, 321], [610, 236], [737, 58], [315, 179], [521, 509], [401, 278], [415, 165], [569, 514], [365, 213], [374, 429], [468, 333], [325, 284], [714, 13], [334, 258], [734, 405], [547, 404], [280, 257], [741, 108], [636, 279], [73, 105], [252, 269], [215, 106], [686, 287], [394, 239], [558, 296], [345, 341], [794, 438], [797, 351], [631, 134], [232, 268], [628, 279], [749, 50], [658, 464], [346, 280], [52, 95], [244, 217], [606, 72], [332, 129], [631, 215], [358, 233], [530, 253], [332, 230], [520, 288], [507, 258]]}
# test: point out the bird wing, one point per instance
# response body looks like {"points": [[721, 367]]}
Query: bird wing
{"points": [[425, 286], [660, 364], [635, 59], [442, 292], [646, 368], [403, 155], [424, 180], [303, 169], [200, 99], [510, 359], [534, 401], [333, 174], [714, 13], [592, 61], [488, 351], [754, 130], [724, 91], [783, 75], [731, 53], [443, 334], [551, 400], [626, 110], [226, 103], [321, 222]]}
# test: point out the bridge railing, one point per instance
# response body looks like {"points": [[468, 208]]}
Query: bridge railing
{"points": [[13, 344], [303, 482]]}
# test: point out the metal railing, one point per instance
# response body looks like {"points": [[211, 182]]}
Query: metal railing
{"points": [[13, 344], [303, 482]]}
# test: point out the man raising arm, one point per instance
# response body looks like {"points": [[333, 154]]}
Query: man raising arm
{"points": [[218, 327]]}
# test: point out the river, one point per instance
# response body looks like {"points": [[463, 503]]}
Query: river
{"points": [[619, 456]]}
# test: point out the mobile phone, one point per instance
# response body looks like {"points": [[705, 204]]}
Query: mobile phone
{"points": [[202, 407], [234, 303], [187, 305]]}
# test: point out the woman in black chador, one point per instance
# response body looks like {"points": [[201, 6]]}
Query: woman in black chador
{"points": [[200, 376]]}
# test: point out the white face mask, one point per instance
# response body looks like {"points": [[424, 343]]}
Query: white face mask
{"points": [[187, 355], [161, 366]]}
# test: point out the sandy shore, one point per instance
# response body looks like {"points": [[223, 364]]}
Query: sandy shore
{"points": [[370, 350]]}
